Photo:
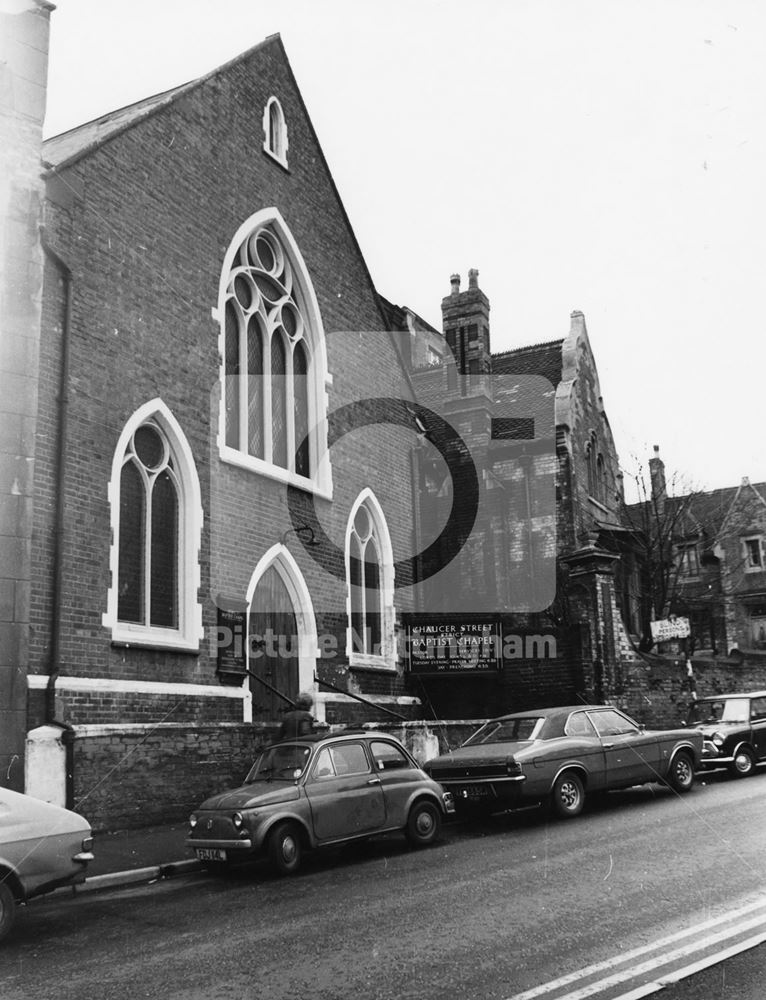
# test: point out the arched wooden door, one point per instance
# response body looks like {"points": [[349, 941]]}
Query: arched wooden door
{"points": [[273, 633]]}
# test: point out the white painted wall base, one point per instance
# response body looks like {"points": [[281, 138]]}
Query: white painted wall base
{"points": [[45, 765]]}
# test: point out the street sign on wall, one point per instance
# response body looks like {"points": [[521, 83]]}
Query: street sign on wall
{"points": [[670, 628], [441, 647]]}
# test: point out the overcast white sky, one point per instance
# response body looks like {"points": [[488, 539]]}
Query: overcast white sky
{"points": [[602, 155]]}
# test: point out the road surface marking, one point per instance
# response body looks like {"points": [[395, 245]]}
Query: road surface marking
{"points": [[613, 963], [695, 967]]}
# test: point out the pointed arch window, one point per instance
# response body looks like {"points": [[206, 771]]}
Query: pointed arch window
{"points": [[274, 399], [275, 131], [369, 567], [156, 525]]}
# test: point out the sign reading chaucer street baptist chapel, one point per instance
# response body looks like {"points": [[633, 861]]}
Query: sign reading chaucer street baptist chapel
{"points": [[437, 647]]}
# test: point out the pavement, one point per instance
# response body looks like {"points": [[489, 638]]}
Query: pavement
{"points": [[144, 855]]}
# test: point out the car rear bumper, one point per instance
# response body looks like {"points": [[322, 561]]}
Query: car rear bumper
{"points": [[484, 793], [226, 845]]}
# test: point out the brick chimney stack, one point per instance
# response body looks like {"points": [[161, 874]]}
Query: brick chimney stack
{"points": [[657, 475], [465, 318]]}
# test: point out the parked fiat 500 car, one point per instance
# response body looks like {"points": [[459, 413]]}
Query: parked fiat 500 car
{"points": [[560, 755], [42, 846], [734, 727], [316, 791]]}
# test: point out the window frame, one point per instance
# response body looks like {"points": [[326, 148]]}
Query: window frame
{"points": [[318, 378], [275, 141], [188, 633], [747, 541], [386, 659]]}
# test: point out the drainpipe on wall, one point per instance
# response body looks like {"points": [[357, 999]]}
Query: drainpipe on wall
{"points": [[54, 656]]}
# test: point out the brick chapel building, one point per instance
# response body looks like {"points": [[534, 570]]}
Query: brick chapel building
{"points": [[253, 475]]}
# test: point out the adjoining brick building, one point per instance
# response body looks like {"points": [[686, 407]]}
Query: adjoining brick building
{"points": [[543, 562]]}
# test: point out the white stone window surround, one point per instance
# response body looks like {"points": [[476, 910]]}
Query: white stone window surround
{"points": [[319, 379], [275, 142], [282, 560], [752, 550], [386, 660], [187, 636]]}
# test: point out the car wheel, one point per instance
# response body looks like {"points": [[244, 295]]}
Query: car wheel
{"points": [[284, 848], [681, 774], [423, 824], [743, 764], [568, 795], [7, 909]]}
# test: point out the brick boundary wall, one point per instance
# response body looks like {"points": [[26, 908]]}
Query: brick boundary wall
{"points": [[657, 692], [126, 777]]}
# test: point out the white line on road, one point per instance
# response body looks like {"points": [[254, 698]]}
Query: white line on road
{"points": [[613, 963], [695, 967]]}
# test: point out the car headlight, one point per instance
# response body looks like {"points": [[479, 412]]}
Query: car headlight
{"points": [[718, 739], [237, 820], [512, 766], [192, 821]]}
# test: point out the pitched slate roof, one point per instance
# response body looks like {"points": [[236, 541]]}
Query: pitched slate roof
{"points": [[536, 359], [705, 513], [64, 149]]}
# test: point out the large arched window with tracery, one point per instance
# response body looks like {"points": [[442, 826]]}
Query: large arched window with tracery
{"points": [[274, 370], [156, 524]]}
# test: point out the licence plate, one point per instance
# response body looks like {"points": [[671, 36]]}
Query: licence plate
{"points": [[473, 792], [210, 853]]}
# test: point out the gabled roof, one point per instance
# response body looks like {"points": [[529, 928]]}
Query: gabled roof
{"points": [[396, 316], [64, 149], [704, 513]]}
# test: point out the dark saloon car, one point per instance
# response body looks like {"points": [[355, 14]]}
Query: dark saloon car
{"points": [[317, 791], [734, 727], [559, 755]]}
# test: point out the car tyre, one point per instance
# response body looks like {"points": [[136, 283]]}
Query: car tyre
{"points": [[7, 909], [568, 795], [285, 849], [423, 824], [681, 774], [743, 764]]}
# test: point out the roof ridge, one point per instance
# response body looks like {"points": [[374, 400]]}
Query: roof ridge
{"points": [[529, 347], [150, 104]]}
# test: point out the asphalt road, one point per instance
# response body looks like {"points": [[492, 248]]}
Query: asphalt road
{"points": [[516, 907]]}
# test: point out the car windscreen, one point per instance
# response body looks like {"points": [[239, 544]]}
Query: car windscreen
{"points": [[284, 762], [720, 710], [507, 731]]}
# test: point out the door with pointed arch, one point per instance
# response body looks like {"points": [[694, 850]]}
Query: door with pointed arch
{"points": [[273, 647]]}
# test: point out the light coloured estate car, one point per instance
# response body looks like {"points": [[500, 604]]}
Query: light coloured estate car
{"points": [[316, 791], [42, 847], [560, 755]]}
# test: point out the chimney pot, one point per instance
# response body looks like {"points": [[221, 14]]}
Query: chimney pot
{"points": [[455, 281], [473, 278]]}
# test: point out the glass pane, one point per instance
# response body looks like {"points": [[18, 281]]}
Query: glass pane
{"points": [[164, 553], [254, 389], [231, 370], [300, 393], [148, 446], [130, 591], [357, 596], [278, 402], [373, 618]]}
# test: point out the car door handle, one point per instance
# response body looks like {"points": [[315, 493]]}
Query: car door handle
{"points": [[607, 746], [374, 781]]}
